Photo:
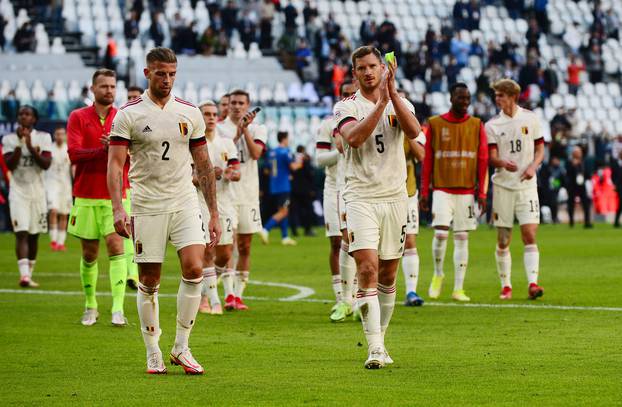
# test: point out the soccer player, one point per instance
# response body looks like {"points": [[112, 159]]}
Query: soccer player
{"points": [[371, 122], [58, 189], [224, 157], [90, 219], [329, 149], [516, 152], [223, 107], [456, 164], [280, 164], [134, 92], [413, 150], [250, 140], [27, 153], [163, 134]]}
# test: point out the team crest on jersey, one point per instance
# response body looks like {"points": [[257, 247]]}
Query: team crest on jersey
{"points": [[445, 134], [524, 130], [393, 120], [183, 128], [138, 247]]}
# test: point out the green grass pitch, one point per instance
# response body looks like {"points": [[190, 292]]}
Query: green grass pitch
{"points": [[288, 353]]}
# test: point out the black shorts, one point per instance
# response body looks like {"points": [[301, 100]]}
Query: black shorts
{"points": [[281, 200]]}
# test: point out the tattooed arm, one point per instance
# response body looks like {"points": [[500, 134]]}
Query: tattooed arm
{"points": [[207, 183], [117, 155]]}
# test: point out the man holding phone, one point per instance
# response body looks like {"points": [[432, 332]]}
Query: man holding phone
{"points": [[250, 139]]}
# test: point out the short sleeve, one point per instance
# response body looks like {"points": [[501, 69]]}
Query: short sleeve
{"points": [[8, 143], [232, 152], [491, 135], [325, 135], [46, 142], [421, 139], [410, 106], [260, 135], [198, 127], [537, 133], [344, 112], [120, 131]]}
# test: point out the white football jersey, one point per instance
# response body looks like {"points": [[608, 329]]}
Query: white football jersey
{"points": [[326, 141], [27, 181], [222, 152], [375, 171], [60, 169], [515, 138], [246, 190], [160, 161]]}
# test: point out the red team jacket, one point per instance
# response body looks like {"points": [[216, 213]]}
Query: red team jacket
{"points": [[88, 154]]}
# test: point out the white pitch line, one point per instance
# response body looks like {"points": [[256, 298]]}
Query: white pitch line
{"points": [[318, 300], [303, 292]]}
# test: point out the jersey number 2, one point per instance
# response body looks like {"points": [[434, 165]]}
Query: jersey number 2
{"points": [[166, 146]]}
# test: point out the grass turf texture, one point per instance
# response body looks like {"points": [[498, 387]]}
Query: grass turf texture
{"points": [[289, 353]]}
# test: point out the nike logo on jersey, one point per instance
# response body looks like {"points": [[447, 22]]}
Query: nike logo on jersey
{"points": [[147, 129]]}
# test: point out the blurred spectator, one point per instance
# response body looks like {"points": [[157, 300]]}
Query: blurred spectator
{"points": [[290, 16], [612, 24], [477, 49], [10, 106], [483, 107], [213, 43], [595, 64], [474, 15], [434, 77], [309, 12], [460, 50], [246, 28], [452, 71], [539, 8], [3, 24], [528, 74], [24, 39], [460, 15], [287, 46], [367, 31], [130, 26], [156, 30], [576, 177], [515, 8], [550, 179], [229, 17], [533, 35], [110, 56], [575, 67], [304, 58], [303, 194], [186, 39], [266, 13], [550, 78]]}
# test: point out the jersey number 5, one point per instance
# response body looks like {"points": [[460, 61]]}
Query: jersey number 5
{"points": [[379, 143], [166, 146]]}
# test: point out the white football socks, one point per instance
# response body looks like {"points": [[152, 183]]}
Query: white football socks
{"points": [[410, 268], [439, 247], [23, 267], [61, 237], [188, 300], [227, 282], [31, 267], [504, 266], [347, 269], [531, 259], [461, 258], [53, 234], [241, 279], [386, 299], [209, 288], [149, 315], [367, 300], [337, 287]]}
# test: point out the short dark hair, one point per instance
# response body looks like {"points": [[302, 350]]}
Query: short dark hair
{"points": [[281, 135], [33, 109], [135, 89], [363, 51], [345, 83], [226, 95], [103, 72], [240, 92], [161, 54], [456, 86]]}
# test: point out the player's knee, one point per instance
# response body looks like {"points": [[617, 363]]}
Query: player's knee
{"points": [[244, 248], [367, 270], [529, 238]]}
